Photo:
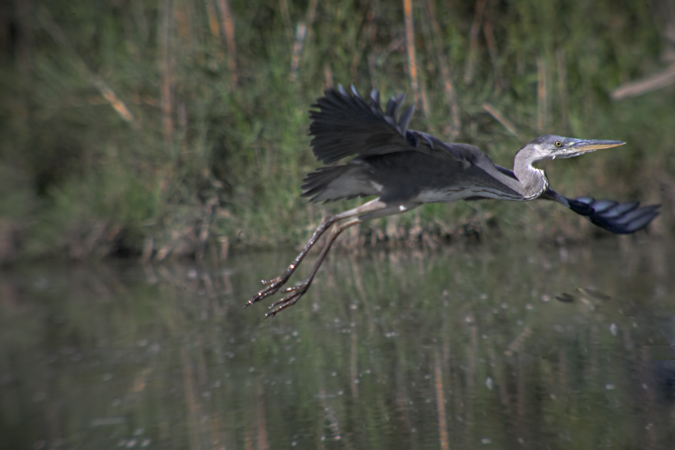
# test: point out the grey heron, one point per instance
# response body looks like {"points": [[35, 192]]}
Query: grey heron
{"points": [[404, 169]]}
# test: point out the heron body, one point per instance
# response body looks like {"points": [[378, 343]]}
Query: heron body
{"points": [[410, 176], [404, 169]]}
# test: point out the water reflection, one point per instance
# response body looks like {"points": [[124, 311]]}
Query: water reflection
{"points": [[510, 347]]}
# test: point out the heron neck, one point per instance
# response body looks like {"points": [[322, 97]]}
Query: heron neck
{"points": [[532, 182]]}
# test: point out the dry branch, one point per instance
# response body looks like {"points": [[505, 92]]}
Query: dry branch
{"points": [[166, 59], [501, 119], [419, 96], [488, 31], [106, 91], [227, 22], [542, 95], [645, 85], [444, 66], [473, 42], [301, 32]]}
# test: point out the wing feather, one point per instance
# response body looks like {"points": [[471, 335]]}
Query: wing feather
{"points": [[345, 124]]}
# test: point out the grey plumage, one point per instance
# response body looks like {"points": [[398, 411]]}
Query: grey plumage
{"points": [[405, 163], [405, 168]]}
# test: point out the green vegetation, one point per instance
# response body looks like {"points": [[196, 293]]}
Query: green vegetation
{"points": [[180, 128]]}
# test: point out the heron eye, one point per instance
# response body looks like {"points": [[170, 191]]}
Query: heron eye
{"points": [[558, 144]]}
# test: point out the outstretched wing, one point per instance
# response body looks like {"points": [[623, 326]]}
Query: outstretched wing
{"points": [[345, 125], [618, 218]]}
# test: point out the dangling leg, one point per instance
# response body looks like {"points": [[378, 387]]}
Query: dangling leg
{"points": [[275, 284], [298, 291]]}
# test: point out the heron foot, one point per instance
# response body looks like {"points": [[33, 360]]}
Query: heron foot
{"points": [[273, 286], [295, 293]]}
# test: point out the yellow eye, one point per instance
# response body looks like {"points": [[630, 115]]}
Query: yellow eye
{"points": [[558, 144]]}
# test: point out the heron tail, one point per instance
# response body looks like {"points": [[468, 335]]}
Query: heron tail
{"points": [[336, 182]]}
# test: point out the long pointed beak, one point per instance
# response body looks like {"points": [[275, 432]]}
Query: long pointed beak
{"points": [[590, 145], [581, 146]]}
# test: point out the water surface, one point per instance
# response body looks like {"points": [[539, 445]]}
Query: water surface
{"points": [[504, 346]]}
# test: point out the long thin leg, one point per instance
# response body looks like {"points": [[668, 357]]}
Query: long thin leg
{"points": [[295, 292], [273, 285], [298, 291]]}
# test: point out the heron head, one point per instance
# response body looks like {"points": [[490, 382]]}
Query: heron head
{"points": [[549, 146]]}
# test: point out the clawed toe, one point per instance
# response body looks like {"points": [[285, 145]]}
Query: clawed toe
{"points": [[282, 304], [292, 289], [273, 286], [295, 293], [270, 281], [351, 218]]}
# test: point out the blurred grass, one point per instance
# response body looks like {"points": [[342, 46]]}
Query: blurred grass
{"points": [[175, 129]]}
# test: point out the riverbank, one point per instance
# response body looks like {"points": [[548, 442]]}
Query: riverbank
{"points": [[180, 130]]}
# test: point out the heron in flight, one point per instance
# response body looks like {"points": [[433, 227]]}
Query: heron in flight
{"points": [[404, 169]]}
